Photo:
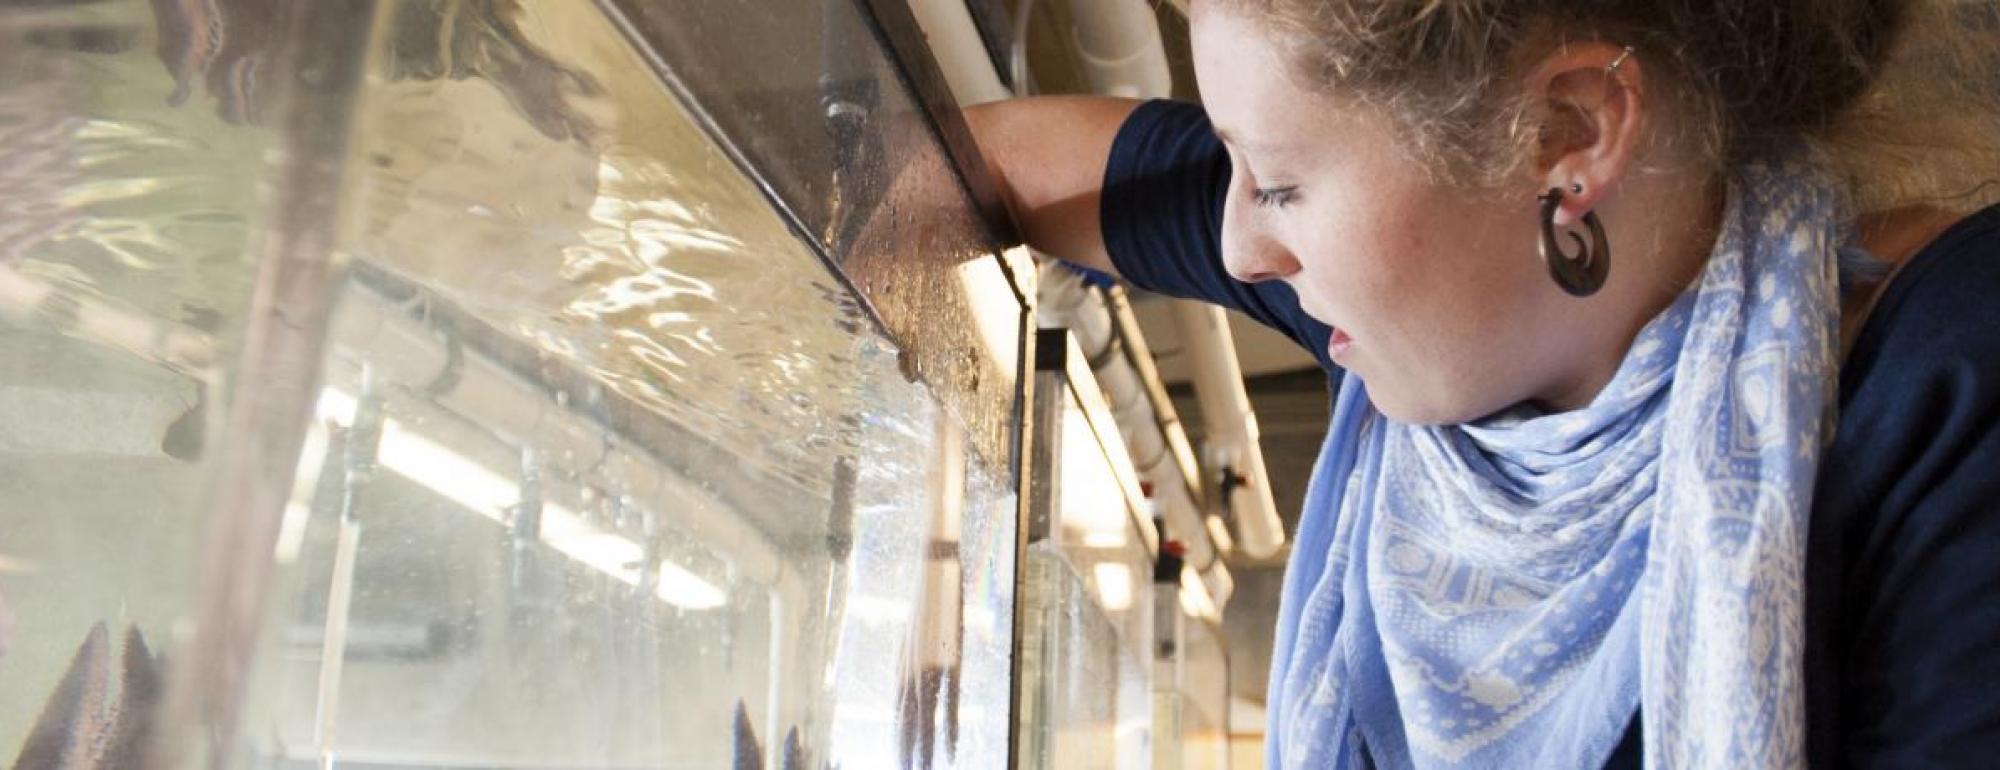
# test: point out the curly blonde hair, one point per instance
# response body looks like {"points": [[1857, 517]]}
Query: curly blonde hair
{"points": [[1903, 93]]}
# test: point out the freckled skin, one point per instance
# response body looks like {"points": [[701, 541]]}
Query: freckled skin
{"points": [[1451, 309]]}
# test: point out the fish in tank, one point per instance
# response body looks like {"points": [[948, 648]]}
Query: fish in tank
{"points": [[102, 709]]}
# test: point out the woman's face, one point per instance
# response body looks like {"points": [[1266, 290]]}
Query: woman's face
{"points": [[1439, 299]]}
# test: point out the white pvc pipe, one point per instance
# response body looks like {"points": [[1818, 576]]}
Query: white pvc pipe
{"points": [[181, 348], [1066, 301], [959, 51], [408, 353], [1232, 426], [1119, 43], [333, 648]]}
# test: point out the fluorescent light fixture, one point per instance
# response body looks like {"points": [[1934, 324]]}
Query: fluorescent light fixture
{"points": [[336, 405], [1194, 597], [292, 531], [981, 618], [681, 587], [447, 473], [312, 458], [1093, 504], [879, 609], [996, 313], [491, 495], [1114, 585]]}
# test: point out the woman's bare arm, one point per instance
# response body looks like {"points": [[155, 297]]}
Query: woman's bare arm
{"points": [[1048, 154]]}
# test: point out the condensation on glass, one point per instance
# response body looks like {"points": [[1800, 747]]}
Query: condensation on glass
{"points": [[1087, 608], [1120, 668], [808, 95], [471, 409]]}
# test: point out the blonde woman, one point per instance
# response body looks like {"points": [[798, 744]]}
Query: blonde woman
{"points": [[1667, 336]]}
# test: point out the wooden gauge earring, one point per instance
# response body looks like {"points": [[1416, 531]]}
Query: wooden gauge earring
{"points": [[1581, 274]]}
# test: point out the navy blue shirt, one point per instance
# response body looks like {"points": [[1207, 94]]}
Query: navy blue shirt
{"points": [[1902, 658]]}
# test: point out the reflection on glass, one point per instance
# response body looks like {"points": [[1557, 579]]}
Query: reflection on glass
{"points": [[1090, 685], [605, 468], [1204, 699], [1097, 532], [125, 235], [1191, 698], [1070, 709]]}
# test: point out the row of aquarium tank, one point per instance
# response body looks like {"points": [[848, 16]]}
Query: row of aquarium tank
{"points": [[552, 384]]}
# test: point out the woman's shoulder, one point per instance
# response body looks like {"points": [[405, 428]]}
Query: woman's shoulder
{"points": [[1904, 523], [1921, 386], [1942, 307]]}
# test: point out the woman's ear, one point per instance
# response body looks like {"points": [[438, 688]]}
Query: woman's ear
{"points": [[1589, 99]]}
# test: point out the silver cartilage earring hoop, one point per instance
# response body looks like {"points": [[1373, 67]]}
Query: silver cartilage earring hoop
{"points": [[1620, 61]]}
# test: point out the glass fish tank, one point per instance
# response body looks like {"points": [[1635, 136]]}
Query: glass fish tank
{"points": [[496, 383], [1190, 698], [1086, 607], [1204, 697]]}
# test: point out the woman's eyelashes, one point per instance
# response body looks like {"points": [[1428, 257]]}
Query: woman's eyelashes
{"points": [[1274, 197]]}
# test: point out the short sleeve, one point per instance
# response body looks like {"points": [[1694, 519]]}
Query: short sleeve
{"points": [[1914, 629], [1161, 214]]}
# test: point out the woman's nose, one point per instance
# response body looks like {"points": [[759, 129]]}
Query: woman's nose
{"points": [[1249, 251]]}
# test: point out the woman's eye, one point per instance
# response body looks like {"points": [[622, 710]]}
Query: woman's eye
{"points": [[1274, 196]]}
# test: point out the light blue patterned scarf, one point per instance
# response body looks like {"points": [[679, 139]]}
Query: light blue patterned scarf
{"points": [[1508, 593]]}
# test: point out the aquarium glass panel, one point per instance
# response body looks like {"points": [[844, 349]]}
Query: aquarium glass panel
{"points": [[602, 464]]}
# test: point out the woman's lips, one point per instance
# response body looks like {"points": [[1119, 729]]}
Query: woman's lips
{"points": [[1339, 345]]}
